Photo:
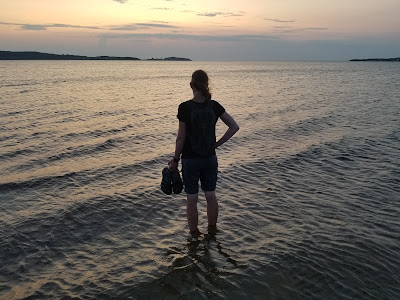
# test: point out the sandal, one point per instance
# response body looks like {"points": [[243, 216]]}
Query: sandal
{"points": [[166, 182], [177, 184]]}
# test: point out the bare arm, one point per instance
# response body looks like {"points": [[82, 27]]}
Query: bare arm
{"points": [[180, 141], [233, 127]]}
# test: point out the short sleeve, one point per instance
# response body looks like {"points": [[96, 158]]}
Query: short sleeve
{"points": [[181, 113], [218, 109]]}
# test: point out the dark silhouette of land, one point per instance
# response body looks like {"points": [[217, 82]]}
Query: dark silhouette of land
{"points": [[173, 58], [32, 55], [377, 59]]}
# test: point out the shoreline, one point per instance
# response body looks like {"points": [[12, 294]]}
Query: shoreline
{"points": [[376, 59], [34, 55]]}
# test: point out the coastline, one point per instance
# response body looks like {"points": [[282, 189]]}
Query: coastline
{"points": [[33, 55], [376, 59]]}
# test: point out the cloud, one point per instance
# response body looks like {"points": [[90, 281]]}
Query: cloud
{"points": [[46, 26], [178, 36], [161, 8], [214, 14], [218, 13], [280, 21], [283, 29], [136, 26], [26, 26], [163, 25], [121, 1], [241, 14], [33, 27], [125, 27], [71, 26]]}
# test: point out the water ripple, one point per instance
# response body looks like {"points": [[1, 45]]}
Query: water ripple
{"points": [[308, 189]]}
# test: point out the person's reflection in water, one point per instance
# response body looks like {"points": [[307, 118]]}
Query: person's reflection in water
{"points": [[199, 252]]}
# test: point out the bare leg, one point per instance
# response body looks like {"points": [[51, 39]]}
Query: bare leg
{"points": [[212, 208], [191, 211]]}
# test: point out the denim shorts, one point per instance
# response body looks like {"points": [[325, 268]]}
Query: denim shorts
{"points": [[205, 169]]}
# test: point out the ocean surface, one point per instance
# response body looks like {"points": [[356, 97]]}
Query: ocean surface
{"points": [[309, 188]]}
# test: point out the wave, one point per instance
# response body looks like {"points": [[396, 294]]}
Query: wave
{"points": [[84, 177], [20, 84], [13, 113], [16, 153], [95, 133]]}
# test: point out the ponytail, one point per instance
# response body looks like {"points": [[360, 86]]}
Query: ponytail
{"points": [[200, 83]]}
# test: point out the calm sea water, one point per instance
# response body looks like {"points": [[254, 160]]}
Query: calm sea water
{"points": [[309, 188]]}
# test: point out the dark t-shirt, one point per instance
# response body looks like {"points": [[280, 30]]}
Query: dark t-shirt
{"points": [[184, 115]]}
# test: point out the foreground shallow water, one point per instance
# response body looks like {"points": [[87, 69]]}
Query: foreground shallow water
{"points": [[308, 188]]}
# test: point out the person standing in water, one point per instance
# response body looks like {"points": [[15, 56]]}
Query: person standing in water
{"points": [[196, 142]]}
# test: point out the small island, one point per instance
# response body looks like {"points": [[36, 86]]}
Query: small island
{"points": [[32, 55], [173, 58], [377, 59]]}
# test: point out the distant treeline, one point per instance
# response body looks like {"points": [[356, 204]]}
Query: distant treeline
{"points": [[28, 55], [31, 55], [377, 59], [171, 58]]}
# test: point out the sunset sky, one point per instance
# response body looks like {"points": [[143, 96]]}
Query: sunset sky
{"points": [[204, 30]]}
